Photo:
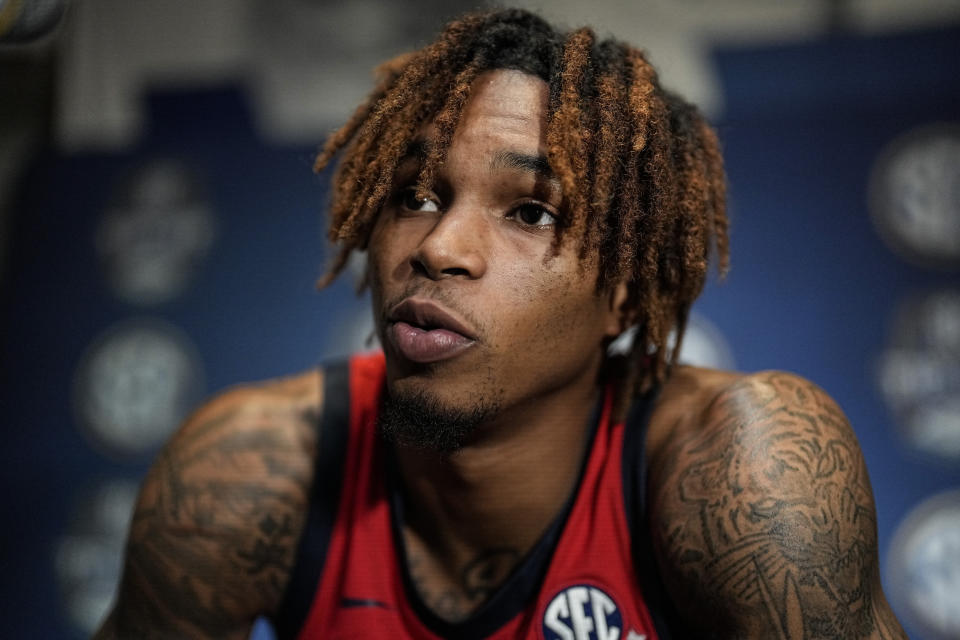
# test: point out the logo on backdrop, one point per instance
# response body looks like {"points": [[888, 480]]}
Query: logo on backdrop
{"points": [[914, 195], [923, 567], [157, 230], [919, 372], [134, 385], [582, 612], [89, 555]]}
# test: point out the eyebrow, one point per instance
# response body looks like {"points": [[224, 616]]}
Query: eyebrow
{"points": [[537, 164], [524, 162]]}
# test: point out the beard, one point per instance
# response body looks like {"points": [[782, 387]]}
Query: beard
{"points": [[421, 421]]}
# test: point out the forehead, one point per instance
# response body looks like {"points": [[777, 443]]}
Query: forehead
{"points": [[512, 104]]}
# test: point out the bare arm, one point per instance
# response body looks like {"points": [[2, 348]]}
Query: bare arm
{"points": [[219, 515], [764, 520]]}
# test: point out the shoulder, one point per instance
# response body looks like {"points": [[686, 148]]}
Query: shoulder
{"points": [[764, 511], [772, 438], [732, 408], [252, 445], [216, 526], [280, 413]]}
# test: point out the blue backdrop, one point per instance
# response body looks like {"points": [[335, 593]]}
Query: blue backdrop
{"points": [[811, 290]]}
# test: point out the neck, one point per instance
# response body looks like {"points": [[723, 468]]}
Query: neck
{"points": [[478, 511]]}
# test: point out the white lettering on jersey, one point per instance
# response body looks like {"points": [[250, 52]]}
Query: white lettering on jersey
{"points": [[582, 612], [552, 618], [602, 608]]}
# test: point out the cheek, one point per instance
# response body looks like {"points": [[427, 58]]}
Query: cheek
{"points": [[381, 257], [556, 312]]}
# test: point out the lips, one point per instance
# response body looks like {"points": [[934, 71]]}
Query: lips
{"points": [[424, 332]]}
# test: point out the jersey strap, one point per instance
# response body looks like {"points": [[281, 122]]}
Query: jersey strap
{"points": [[595, 573], [324, 500], [666, 619]]}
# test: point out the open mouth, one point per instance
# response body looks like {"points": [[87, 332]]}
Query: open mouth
{"points": [[429, 316], [424, 332]]}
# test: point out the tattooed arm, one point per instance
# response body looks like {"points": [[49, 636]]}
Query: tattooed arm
{"points": [[763, 517], [219, 515]]}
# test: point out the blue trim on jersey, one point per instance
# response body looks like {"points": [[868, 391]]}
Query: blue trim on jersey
{"points": [[522, 585], [324, 501], [666, 619]]}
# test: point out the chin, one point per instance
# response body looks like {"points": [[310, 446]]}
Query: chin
{"points": [[414, 416]]}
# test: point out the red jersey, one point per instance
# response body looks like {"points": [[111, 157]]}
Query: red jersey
{"points": [[582, 581]]}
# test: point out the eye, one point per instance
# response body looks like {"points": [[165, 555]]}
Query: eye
{"points": [[410, 201], [534, 215]]}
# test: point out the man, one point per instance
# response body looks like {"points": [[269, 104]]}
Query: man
{"points": [[524, 197]]}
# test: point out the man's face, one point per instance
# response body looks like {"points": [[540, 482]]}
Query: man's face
{"points": [[472, 306]]}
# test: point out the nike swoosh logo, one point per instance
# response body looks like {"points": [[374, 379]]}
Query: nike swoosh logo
{"points": [[347, 603]]}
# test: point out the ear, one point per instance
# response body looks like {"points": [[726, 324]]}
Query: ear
{"points": [[620, 315]]}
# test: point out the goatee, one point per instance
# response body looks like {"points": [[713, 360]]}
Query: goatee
{"points": [[420, 421]]}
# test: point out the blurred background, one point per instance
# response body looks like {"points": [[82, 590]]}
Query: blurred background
{"points": [[161, 231]]}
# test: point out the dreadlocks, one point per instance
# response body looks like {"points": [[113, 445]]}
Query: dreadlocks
{"points": [[640, 169]]}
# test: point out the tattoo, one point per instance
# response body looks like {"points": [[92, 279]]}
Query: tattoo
{"points": [[478, 581], [481, 577], [765, 517], [214, 535], [270, 549], [443, 601]]}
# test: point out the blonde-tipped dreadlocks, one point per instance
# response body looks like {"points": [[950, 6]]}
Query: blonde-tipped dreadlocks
{"points": [[641, 172]]}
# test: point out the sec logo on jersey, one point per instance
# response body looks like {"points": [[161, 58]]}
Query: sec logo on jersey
{"points": [[582, 612]]}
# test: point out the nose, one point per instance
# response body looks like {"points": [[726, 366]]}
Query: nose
{"points": [[455, 246]]}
